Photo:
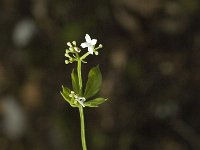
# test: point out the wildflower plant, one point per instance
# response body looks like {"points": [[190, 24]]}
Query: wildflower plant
{"points": [[77, 96]]}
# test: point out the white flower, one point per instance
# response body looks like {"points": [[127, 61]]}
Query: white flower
{"points": [[90, 43], [81, 100]]}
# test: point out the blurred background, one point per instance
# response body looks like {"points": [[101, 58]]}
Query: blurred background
{"points": [[150, 64]]}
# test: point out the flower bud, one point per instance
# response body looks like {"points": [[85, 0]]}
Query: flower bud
{"points": [[96, 53], [66, 62], [74, 43], [77, 49], [69, 44]]}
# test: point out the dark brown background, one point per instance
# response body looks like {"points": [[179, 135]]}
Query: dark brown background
{"points": [[150, 65]]}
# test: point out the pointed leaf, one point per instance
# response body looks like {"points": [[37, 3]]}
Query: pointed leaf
{"points": [[95, 102], [66, 90], [65, 94], [67, 98], [75, 83], [94, 82]]}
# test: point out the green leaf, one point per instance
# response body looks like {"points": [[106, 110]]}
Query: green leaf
{"points": [[94, 82], [65, 94], [68, 99], [66, 90], [75, 83], [95, 102]]}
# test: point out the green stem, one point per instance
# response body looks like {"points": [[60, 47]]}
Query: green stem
{"points": [[84, 56], [81, 108], [79, 76], [82, 128]]}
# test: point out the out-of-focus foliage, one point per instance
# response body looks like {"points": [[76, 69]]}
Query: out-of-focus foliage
{"points": [[150, 67]]}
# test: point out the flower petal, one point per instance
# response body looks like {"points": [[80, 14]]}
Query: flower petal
{"points": [[84, 45], [80, 102], [87, 38], [93, 42], [91, 49]]}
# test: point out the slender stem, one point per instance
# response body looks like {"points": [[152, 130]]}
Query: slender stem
{"points": [[82, 128], [79, 76], [81, 108]]}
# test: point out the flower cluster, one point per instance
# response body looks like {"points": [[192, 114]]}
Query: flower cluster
{"points": [[72, 53]]}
